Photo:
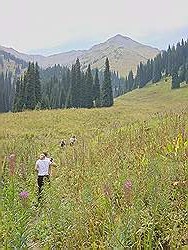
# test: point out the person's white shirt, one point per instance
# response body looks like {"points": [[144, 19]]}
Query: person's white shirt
{"points": [[72, 140], [43, 166]]}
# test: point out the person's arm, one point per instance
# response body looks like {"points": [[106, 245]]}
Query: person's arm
{"points": [[50, 170]]}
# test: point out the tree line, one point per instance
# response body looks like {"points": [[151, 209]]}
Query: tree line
{"points": [[6, 92], [76, 88], [63, 87], [173, 62], [28, 89]]}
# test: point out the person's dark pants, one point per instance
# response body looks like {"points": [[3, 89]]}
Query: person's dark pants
{"points": [[41, 180]]}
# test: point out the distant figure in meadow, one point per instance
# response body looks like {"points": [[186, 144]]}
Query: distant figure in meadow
{"points": [[43, 168], [72, 140], [62, 143]]}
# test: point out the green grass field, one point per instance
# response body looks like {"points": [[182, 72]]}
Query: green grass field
{"points": [[122, 186]]}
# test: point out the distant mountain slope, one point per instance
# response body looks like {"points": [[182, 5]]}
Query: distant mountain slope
{"points": [[123, 52], [22, 56], [11, 64]]}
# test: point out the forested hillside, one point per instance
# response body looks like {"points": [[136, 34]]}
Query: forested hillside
{"points": [[64, 87], [173, 62]]}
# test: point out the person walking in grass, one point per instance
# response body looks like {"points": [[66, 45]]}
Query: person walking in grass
{"points": [[43, 168], [72, 140]]}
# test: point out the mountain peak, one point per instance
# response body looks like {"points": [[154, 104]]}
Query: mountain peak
{"points": [[119, 37], [123, 52], [123, 41]]}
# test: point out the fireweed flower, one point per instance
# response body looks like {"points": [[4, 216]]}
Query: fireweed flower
{"points": [[12, 163], [127, 190], [127, 185], [24, 195]]}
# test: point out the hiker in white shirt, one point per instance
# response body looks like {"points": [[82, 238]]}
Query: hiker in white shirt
{"points": [[43, 168], [72, 140]]}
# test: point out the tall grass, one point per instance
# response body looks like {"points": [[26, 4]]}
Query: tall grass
{"points": [[122, 186], [89, 204]]}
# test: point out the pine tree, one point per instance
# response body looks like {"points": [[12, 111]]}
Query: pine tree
{"points": [[30, 87], [17, 106], [37, 85], [130, 81], [169, 61], [74, 101], [186, 73], [157, 69], [2, 93], [175, 81], [83, 90], [76, 85], [106, 89], [96, 90], [89, 88]]}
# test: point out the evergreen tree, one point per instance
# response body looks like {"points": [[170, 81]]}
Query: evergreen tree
{"points": [[186, 73], [96, 90], [17, 107], [157, 69], [74, 102], [169, 61], [130, 81], [30, 87], [37, 84], [2, 93], [106, 89], [76, 85], [83, 90], [175, 81], [89, 88]]}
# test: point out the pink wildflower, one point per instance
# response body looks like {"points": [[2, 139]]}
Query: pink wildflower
{"points": [[24, 195], [127, 185], [127, 188], [12, 163]]}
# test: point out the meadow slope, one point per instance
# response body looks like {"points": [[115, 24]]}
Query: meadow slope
{"points": [[124, 185]]}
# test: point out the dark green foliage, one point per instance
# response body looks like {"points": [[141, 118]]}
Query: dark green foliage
{"points": [[6, 92], [17, 96], [54, 87], [30, 96], [157, 69], [37, 84], [130, 81], [89, 88], [28, 90], [175, 81], [106, 89], [172, 62], [76, 85], [186, 73], [96, 90]]}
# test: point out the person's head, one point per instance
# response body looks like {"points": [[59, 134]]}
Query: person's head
{"points": [[46, 154], [42, 157]]}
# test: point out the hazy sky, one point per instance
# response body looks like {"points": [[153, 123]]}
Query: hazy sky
{"points": [[50, 26]]}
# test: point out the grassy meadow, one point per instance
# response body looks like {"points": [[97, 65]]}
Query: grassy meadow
{"points": [[122, 186]]}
